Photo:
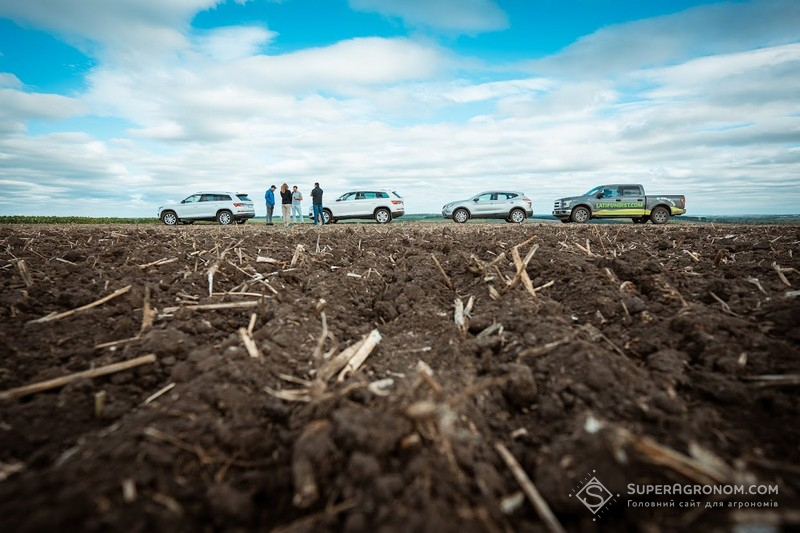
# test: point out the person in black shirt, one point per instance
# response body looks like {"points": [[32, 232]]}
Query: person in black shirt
{"points": [[316, 204], [286, 204]]}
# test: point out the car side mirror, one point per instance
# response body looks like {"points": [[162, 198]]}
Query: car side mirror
{"points": [[476, 200]]}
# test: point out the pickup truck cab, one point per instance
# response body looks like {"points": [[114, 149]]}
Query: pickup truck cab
{"points": [[619, 201]]}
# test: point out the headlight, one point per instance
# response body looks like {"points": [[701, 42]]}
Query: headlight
{"points": [[564, 203]]}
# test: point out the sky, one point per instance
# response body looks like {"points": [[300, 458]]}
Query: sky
{"points": [[114, 107]]}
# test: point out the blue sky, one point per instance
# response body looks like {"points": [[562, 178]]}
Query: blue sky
{"points": [[110, 108]]}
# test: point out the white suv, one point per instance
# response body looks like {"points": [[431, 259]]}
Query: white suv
{"points": [[224, 207], [382, 205]]}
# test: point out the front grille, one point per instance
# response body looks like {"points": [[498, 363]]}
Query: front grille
{"points": [[557, 205]]}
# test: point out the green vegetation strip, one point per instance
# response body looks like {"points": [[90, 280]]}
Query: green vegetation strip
{"points": [[23, 219]]}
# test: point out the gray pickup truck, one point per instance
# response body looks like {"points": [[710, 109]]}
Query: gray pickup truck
{"points": [[619, 201]]}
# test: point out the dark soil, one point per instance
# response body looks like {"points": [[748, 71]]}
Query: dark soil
{"points": [[638, 338]]}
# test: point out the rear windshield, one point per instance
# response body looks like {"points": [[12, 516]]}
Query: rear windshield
{"points": [[395, 193], [243, 197]]}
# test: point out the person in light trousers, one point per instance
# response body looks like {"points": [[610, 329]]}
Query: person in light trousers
{"points": [[297, 206]]}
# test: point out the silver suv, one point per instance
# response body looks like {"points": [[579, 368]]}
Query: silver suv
{"points": [[382, 205], [512, 206], [224, 207]]}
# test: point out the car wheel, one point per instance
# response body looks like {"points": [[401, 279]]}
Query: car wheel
{"points": [[169, 218], [460, 216], [224, 218], [659, 215], [382, 216], [517, 216], [580, 215], [327, 216]]}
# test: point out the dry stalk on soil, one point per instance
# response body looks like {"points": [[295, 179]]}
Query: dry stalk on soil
{"points": [[24, 272], [55, 383], [530, 490], [66, 314], [445, 277]]}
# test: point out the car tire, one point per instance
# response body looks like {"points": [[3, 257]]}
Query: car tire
{"points": [[382, 216], [580, 215], [460, 216], [327, 217], [169, 218], [659, 215], [517, 216], [225, 217]]}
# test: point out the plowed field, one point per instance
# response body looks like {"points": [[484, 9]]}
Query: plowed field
{"points": [[635, 355]]}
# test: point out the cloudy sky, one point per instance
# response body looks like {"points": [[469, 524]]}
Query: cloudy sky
{"points": [[110, 108]]}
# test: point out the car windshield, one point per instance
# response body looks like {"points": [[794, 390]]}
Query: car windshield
{"points": [[595, 191]]}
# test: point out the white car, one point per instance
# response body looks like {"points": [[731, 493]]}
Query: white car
{"points": [[382, 205], [224, 207]]}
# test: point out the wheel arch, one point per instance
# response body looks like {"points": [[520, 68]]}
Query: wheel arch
{"points": [[664, 205], [587, 206]]}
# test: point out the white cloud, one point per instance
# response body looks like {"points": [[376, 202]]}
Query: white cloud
{"points": [[700, 31], [123, 30], [676, 103], [9, 80], [466, 16], [231, 43], [17, 107]]}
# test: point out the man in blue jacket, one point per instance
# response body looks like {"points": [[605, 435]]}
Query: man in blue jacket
{"points": [[269, 196]]}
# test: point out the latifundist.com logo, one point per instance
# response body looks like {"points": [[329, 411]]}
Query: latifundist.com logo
{"points": [[594, 495]]}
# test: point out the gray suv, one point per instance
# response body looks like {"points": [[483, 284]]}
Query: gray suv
{"points": [[511, 206]]}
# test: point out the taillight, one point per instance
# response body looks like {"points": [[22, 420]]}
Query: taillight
{"points": [[528, 201], [237, 204], [396, 202], [683, 202]]}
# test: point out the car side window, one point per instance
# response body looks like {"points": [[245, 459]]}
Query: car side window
{"points": [[192, 199], [610, 193], [484, 197], [370, 195], [383, 194], [348, 196], [630, 191]]}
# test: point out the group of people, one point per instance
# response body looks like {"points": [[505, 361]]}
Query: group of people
{"points": [[291, 204]]}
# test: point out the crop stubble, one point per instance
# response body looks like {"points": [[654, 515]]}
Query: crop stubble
{"points": [[638, 354]]}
